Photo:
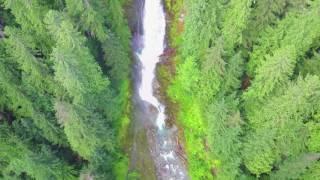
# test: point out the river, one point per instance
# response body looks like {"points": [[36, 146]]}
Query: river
{"points": [[162, 142]]}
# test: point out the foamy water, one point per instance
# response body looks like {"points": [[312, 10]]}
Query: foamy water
{"points": [[154, 27], [164, 148]]}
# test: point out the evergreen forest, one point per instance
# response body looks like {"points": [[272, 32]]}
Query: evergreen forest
{"points": [[64, 85], [241, 81], [247, 86]]}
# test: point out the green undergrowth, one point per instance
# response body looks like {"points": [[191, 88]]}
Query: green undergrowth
{"points": [[121, 167], [124, 123], [190, 118], [189, 114]]}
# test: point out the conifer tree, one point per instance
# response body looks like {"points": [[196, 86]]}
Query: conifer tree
{"points": [[87, 15], [235, 19], [29, 15], [294, 167], [84, 110], [287, 32], [276, 129], [17, 101], [36, 161]]}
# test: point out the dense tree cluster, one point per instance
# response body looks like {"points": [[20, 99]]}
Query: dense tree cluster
{"points": [[64, 85], [247, 86]]}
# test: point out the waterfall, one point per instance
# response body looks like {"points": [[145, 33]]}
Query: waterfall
{"points": [[154, 28], [164, 148]]}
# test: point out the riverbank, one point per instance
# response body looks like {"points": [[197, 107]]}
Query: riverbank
{"points": [[166, 69], [149, 139], [136, 162], [184, 112]]}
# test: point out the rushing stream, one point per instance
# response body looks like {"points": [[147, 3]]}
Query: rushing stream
{"points": [[154, 28], [163, 142]]}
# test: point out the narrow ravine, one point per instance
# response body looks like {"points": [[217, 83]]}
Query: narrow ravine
{"points": [[153, 46], [163, 142]]}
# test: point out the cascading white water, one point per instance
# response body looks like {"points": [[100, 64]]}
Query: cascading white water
{"points": [[154, 27], [164, 148]]}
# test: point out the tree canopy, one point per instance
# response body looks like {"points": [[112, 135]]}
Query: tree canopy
{"points": [[247, 87], [63, 96]]}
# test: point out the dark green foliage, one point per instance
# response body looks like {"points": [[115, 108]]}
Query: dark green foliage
{"points": [[117, 23], [117, 59], [281, 123], [74, 65], [29, 15], [55, 99], [275, 108], [267, 13], [37, 161], [224, 128], [34, 72], [17, 100], [212, 72], [202, 21], [234, 22], [87, 15], [248, 88], [247, 85], [310, 65], [287, 33], [293, 168]]}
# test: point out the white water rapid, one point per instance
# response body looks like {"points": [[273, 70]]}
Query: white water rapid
{"points": [[164, 146], [154, 26]]}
